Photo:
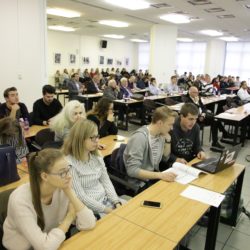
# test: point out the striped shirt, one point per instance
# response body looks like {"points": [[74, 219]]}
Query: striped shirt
{"points": [[91, 183], [154, 142]]}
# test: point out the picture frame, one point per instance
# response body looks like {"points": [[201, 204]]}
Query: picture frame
{"points": [[57, 58], [85, 60], [72, 58], [109, 61], [101, 60]]}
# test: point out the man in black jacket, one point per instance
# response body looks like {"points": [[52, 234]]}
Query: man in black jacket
{"points": [[47, 107], [185, 136], [206, 118]]}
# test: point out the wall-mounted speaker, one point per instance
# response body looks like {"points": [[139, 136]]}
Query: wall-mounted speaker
{"points": [[104, 44]]}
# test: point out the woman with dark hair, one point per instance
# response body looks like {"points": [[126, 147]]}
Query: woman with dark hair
{"points": [[41, 212], [103, 116], [12, 134]]}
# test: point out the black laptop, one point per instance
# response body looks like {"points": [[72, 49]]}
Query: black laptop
{"points": [[214, 165]]}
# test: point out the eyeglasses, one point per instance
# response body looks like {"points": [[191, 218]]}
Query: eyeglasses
{"points": [[62, 174], [94, 138]]}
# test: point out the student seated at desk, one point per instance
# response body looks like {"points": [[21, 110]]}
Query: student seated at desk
{"points": [[62, 122], [148, 146], [12, 134], [185, 136], [41, 212], [90, 179], [103, 116], [243, 93], [153, 88]]}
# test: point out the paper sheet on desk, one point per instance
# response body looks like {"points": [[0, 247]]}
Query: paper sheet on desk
{"points": [[203, 195]]}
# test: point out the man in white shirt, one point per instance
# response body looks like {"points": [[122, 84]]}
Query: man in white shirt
{"points": [[243, 92], [173, 87]]}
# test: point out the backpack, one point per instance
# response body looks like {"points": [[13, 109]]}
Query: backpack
{"points": [[8, 167]]}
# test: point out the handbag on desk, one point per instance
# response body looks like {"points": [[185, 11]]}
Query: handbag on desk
{"points": [[8, 167]]}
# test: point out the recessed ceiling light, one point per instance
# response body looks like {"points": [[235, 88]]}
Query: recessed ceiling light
{"points": [[63, 12], [138, 40], [186, 40], [130, 4], [113, 23], [211, 32], [61, 28], [175, 18], [229, 38], [114, 36]]}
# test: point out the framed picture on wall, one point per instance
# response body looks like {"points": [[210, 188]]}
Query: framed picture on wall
{"points": [[85, 60], [126, 61], [109, 61], [101, 60], [72, 58], [118, 62], [57, 58]]}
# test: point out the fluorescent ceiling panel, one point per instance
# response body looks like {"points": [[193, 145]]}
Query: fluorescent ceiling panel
{"points": [[61, 28], [114, 23], [211, 32], [183, 39], [63, 12], [175, 18], [130, 4], [114, 36], [229, 38], [138, 40]]}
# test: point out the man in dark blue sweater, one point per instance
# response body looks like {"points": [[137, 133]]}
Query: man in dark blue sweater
{"points": [[185, 136]]}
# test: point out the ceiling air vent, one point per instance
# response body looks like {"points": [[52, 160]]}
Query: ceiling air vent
{"points": [[199, 2], [226, 16], [160, 5], [213, 10]]}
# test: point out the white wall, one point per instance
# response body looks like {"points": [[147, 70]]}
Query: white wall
{"points": [[23, 48], [215, 57], [88, 46]]}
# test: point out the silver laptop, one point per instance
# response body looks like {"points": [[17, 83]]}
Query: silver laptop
{"points": [[214, 165]]}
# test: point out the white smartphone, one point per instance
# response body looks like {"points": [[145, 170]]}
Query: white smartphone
{"points": [[153, 204]]}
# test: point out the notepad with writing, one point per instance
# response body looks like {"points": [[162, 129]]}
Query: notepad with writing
{"points": [[185, 174]]}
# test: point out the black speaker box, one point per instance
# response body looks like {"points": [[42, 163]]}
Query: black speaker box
{"points": [[104, 44]]}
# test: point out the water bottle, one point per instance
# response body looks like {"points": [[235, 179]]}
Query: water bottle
{"points": [[26, 124], [21, 122]]}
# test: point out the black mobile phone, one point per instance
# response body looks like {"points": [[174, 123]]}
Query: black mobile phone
{"points": [[154, 204]]}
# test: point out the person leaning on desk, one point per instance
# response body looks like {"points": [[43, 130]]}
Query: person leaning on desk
{"points": [[41, 212], [148, 146]]}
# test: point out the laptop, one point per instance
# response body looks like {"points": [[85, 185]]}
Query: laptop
{"points": [[214, 165]]}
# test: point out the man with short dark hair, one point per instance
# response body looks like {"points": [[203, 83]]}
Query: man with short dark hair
{"points": [[148, 146], [185, 136], [12, 107], [46, 107]]}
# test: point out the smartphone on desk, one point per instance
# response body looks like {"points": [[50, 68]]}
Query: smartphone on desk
{"points": [[153, 204]]}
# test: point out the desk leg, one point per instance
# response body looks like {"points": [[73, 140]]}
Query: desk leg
{"points": [[126, 121], [235, 134], [234, 216], [214, 217]]}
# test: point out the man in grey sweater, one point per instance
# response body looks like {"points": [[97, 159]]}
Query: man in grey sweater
{"points": [[148, 146]]}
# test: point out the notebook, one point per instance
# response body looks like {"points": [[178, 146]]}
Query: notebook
{"points": [[213, 165]]}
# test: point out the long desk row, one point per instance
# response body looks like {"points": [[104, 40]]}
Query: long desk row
{"points": [[128, 225]]}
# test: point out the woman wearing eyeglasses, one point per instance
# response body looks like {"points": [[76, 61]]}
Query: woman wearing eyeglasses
{"points": [[41, 212], [89, 175], [103, 116]]}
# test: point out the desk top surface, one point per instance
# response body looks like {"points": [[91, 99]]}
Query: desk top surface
{"points": [[111, 142], [112, 232], [220, 181], [33, 130], [173, 220]]}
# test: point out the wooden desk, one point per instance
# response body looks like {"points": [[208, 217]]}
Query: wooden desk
{"points": [[33, 130], [237, 117], [220, 182], [112, 232], [173, 221], [111, 144], [24, 177]]}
